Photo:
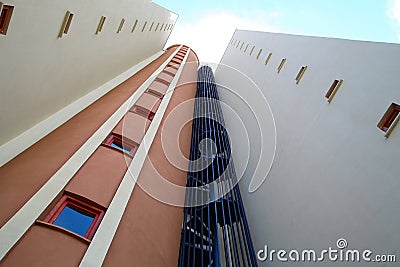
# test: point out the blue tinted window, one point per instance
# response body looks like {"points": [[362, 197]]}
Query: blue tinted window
{"points": [[119, 146], [74, 220]]}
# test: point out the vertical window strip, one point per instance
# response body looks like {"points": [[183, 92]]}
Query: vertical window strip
{"points": [[66, 24], [134, 25], [144, 26], [251, 52], [281, 65], [300, 74], [101, 24], [390, 119], [259, 53], [268, 58], [333, 90], [121, 24], [5, 17]]}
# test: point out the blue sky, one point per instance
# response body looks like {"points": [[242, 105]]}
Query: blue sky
{"points": [[370, 20]]}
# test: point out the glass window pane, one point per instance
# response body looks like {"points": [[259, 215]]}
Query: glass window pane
{"points": [[119, 146], [72, 219]]}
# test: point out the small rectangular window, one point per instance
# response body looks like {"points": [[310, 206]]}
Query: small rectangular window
{"points": [[143, 112], [251, 52], [121, 24], [154, 93], [390, 119], [241, 46], [247, 46], [167, 83], [76, 216], [268, 58], [151, 26], [333, 90], [300, 74], [5, 17], [101, 24], [158, 24], [237, 46], [144, 26], [121, 143], [172, 65], [161, 27], [134, 25], [281, 65], [259, 53], [66, 24]]}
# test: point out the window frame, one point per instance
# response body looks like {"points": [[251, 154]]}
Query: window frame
{"points": [[283, 61], [125, 142], [300, 74], [81, 206], [66, 24], [390, 119], [333, 89], [101, 24], [5, 21], [143, 112]]}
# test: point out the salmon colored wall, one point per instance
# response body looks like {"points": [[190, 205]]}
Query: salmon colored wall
{"points": [[132, 126], [100, 176], [23, 176], [149, 232], [44, 246]]}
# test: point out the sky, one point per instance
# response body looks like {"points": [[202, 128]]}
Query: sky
{"points": [[207, 26]]}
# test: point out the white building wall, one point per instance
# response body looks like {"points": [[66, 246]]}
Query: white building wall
{"points": [[40, 73], [335, 175]]}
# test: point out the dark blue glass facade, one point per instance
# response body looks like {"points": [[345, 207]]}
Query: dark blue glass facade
{"points": [[215, 231]]}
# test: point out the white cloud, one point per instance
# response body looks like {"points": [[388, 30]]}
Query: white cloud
{"points": [[393, 11], [210, 34]]}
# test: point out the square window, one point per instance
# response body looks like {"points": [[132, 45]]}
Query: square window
{"points": [[76, 216], [5, 17], [122, 144], [389, 119]]}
